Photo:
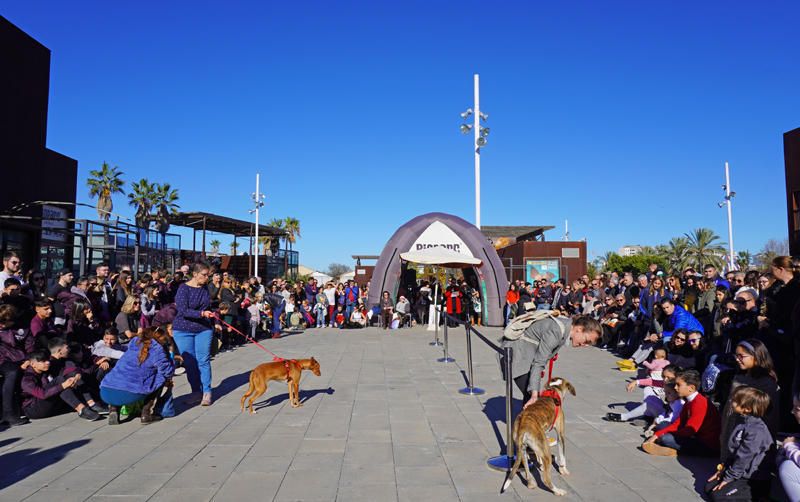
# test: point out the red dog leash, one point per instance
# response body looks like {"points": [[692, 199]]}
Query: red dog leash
{"points": [[275, 357]]}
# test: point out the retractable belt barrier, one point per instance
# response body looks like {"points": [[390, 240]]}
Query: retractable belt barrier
{"points": [[505, 461]]}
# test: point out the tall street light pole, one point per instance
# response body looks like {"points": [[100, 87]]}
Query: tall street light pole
{"points": [[258, 200], [728, 196], [479, 141]]}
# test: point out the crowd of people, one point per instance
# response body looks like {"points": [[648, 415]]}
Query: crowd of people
{"points": [[718, 362], [717, 356], [105, 343]]}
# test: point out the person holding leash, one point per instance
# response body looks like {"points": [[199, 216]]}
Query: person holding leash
{"points": [[539, 336]]}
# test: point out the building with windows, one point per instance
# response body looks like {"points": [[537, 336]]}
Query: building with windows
{"points": [[630, 250], [36, 213]]}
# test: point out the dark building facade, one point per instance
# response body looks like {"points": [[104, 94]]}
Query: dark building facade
{"points": [[791, 155], [40, 233]]}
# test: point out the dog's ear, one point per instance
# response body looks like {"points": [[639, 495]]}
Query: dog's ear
{"points": [[313, 360], [570, 387]]}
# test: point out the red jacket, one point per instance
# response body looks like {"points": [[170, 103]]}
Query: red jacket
{"points": [[698, 419], [453, 296]]}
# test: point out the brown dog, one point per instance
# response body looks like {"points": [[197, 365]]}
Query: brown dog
{"points": [[530, 431], [289, 370]]}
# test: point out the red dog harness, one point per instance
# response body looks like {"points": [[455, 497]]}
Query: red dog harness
{"points": [[287, 364], [552, 394]]}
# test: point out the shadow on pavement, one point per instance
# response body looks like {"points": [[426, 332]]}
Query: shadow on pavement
{"points": [[305, 395], [19, 464], [701, 469]]}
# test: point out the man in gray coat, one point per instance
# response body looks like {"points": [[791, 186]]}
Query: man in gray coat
{"points": [[541, 342]]}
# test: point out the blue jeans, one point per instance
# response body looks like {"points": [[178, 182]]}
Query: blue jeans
{"points": [[686, 446], [789, 474], [196, 351], [116, 397], [348, 311], [276, 319]]}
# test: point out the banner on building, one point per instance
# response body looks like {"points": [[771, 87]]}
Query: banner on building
{"points": [[542, 268]]}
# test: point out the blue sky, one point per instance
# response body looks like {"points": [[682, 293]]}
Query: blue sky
{"points": [[617, 116]]}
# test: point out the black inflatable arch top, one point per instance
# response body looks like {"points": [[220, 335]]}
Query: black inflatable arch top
{"points": [[440, 229]]}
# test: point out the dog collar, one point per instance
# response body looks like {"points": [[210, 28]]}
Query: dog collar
{"points": [[552, 394]]}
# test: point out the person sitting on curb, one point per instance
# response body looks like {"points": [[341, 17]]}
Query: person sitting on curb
{"points": [[142, 372]]}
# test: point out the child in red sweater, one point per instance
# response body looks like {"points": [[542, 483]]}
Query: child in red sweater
{"points": [[696, 432]]}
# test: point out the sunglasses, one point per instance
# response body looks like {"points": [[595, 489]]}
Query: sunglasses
{"points": [[694, 340], [680, 338]]}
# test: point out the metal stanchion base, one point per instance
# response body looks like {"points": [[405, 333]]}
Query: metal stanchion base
{"points": [[446, 360], [436, 343], [501, 462], [471, 391]]}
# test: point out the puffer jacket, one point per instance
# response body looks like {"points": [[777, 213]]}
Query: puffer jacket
{"points": [[681, 318]]}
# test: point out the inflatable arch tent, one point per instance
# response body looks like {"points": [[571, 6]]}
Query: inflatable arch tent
{"points": [[452, 232]]}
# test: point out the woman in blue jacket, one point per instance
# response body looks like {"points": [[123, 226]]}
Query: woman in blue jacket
{"points": [[140, 374]]}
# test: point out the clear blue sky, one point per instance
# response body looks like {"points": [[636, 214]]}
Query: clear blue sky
{"points": [[615, 115]]}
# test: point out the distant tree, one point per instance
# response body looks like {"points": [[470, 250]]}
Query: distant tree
{"points": [[636, 264], [292, 227], [165, 204], [772, 249], [103, 184], [215, 246], [592, 269], [337, 269], [234, 247], [743, 260], [141, 196], [675, 253], [704, 248]]}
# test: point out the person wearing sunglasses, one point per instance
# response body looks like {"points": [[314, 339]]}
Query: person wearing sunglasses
{"points": [[11, 267], [127, 320]]}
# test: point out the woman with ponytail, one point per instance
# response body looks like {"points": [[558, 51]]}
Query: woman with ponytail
{"points": [[140, 375]]}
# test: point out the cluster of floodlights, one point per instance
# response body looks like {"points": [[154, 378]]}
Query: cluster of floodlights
{"points": [[726, 197], [466, 128]]}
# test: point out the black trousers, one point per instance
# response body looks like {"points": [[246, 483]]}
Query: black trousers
{"points": [[11, 374], [522, 384], [743, 490], [67, 399]]}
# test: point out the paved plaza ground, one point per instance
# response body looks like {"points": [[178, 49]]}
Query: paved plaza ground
{"points": [[384, 422]]}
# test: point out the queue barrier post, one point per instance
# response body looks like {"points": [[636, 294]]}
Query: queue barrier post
{"points": [[470, 389], [506, 461], [446, 358], [436, 342]]}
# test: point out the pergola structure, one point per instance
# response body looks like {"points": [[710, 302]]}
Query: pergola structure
{"points": [[200, 221]]}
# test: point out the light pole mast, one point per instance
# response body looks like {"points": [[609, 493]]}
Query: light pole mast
{"points": [[476, 129], [479, 141], [728, 196], [257, 200]]}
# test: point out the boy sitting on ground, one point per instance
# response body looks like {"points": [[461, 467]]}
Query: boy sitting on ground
{"points": [[45, 395], [107, 352], [697, 430]]}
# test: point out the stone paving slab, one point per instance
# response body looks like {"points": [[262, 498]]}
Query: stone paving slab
{"points": [[383, 422]]}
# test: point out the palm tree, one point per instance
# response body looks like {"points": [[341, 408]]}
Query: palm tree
{"points": [[164, 204], [676, 253], [277, 223], [104, 183], [704, 249], [743, 260], [266, 243], [234, 247], [292, 227], [215, 246], [142, 196]]}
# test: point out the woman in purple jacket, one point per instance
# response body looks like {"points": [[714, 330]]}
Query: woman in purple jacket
{"points": [[139, 375], [15, 345], [192, 331]]}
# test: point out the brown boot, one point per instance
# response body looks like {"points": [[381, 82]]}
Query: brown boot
{"points": [[147, 412]]}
